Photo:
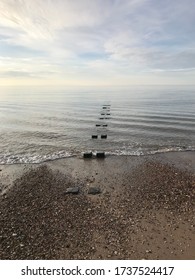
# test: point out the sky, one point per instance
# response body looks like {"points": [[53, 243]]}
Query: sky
{"points": [[97, 42]]}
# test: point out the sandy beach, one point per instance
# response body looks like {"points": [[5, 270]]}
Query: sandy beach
{"points": [[144, 208]]}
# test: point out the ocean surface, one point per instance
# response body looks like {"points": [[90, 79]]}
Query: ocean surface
{"points": [[39, 123]]}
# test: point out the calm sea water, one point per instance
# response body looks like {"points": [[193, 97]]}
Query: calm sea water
{"points": [[39, 123]]}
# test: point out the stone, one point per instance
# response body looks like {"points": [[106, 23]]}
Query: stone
{"points": [[94, 190], [149, 251], [73, 190]]}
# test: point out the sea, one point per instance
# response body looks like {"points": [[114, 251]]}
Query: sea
{"points": [[39, 124]]}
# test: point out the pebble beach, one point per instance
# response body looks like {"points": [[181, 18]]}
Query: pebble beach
{"points": [[123, 208]]}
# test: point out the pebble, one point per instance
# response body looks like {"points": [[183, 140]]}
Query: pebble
{"points": [[94, 190], [74, 190], [148, 251]]}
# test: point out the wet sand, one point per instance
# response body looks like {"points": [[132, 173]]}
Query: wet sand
{"points": [[146, 208]]}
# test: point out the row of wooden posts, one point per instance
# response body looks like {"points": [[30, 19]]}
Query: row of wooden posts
{"points": [[105, 114]]}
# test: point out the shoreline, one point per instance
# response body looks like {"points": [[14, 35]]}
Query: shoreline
{"points": [[145, 209]]}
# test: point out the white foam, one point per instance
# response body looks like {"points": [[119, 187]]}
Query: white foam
{"points": [[29, 158], [34, 158], [140, 152]]}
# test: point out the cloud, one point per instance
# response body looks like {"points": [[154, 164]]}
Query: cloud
{"points": [[44, 20], [100, 37]]}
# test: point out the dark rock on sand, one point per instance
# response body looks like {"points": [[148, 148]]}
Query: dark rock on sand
{"points": [[74, 190], [94, 190]]}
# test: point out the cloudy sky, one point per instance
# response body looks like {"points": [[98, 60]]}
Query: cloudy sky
{"points": [[97, 42]]}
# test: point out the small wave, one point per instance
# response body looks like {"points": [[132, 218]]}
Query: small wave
{"points": [[35, 159], [15, 159], [140, 152]]}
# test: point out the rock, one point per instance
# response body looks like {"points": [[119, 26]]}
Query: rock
{"points": [[73, 190], [94, 190], [148, 251]]}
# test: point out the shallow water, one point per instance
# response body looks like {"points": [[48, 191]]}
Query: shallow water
{"points": [[39, 123]]}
